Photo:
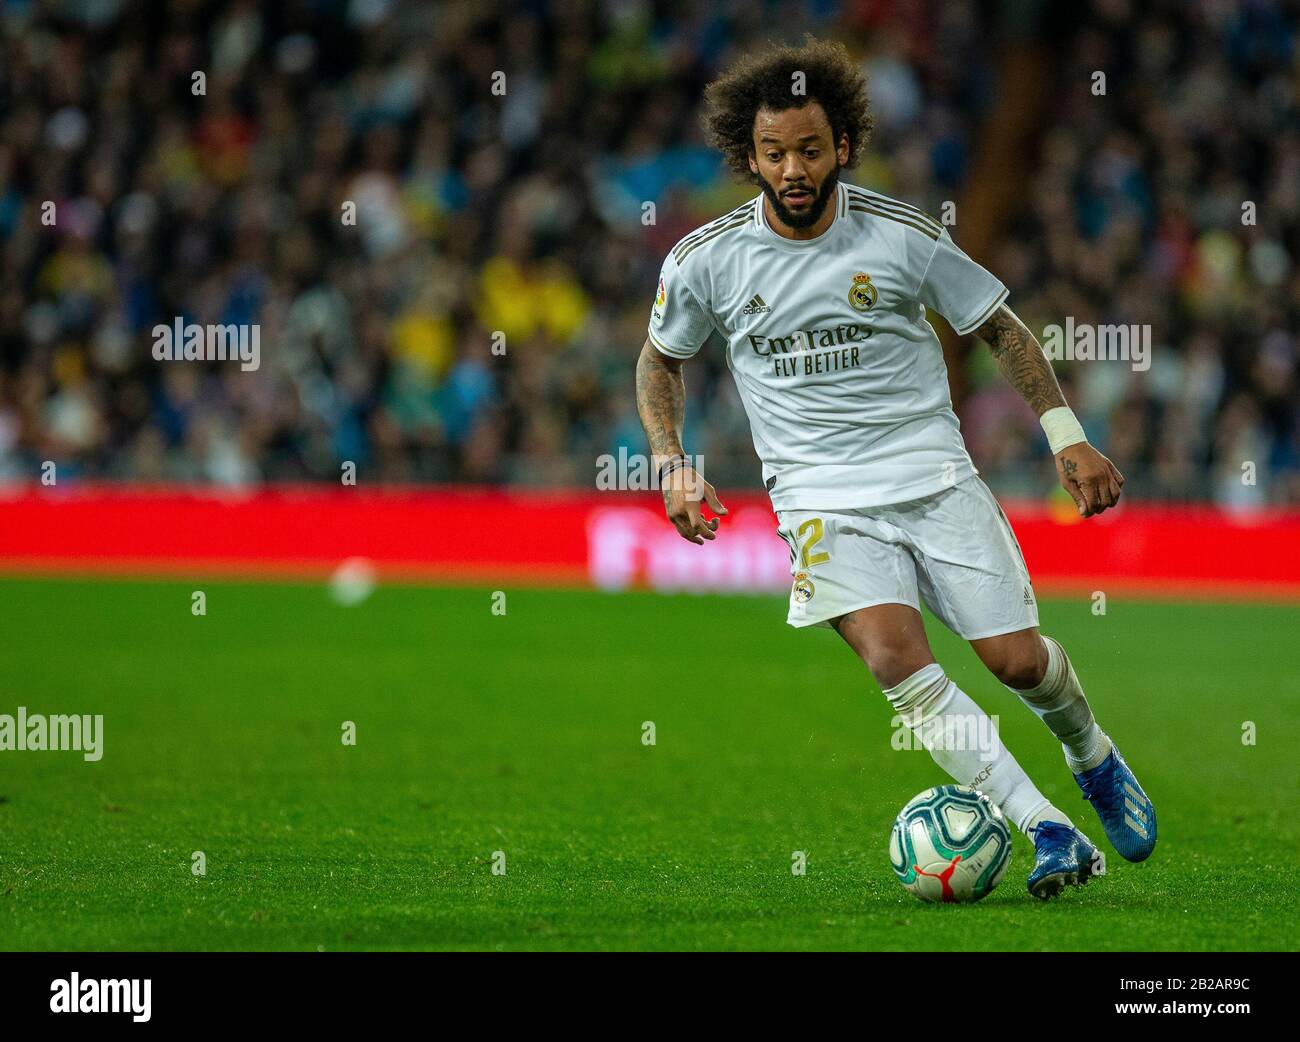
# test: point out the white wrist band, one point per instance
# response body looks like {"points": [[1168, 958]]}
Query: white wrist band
{"points": [[1061, 428]]}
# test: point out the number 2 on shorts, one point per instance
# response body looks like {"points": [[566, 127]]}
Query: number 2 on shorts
{"points": [[806, 557]]}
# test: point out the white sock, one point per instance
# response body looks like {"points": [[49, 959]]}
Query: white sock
{"points": [[1060, 703], [964, 741]]}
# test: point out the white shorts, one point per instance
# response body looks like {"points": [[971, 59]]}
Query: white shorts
{"points": [[954, 551]]}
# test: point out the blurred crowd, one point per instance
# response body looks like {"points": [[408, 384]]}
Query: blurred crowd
{"points": [[479, 319], [1173, 201]]}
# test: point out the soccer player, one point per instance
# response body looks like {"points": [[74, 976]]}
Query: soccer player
{"points": [[819, 289]]}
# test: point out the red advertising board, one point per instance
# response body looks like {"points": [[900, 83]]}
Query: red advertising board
{"points": [[611, 540]]}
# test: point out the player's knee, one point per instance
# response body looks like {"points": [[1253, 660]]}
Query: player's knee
{"points": [[890, 665], [1021, 665]]}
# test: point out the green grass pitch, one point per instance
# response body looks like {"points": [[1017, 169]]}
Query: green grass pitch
{"points": [[522, 733]]}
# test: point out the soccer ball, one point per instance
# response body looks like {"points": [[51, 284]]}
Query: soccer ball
{"points": [[950, 844]]}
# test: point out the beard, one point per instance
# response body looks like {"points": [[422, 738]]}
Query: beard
{"points": [[809, 217]]}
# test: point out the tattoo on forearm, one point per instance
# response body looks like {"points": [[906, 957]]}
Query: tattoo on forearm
{"points": [[1022, 360], [660, 402]]}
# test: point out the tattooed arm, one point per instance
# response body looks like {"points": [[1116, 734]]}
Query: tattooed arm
{"points": [[1021, 360], [661, 404], [1092, 480]]}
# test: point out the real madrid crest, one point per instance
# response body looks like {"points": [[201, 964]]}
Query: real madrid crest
{"points": [[863, 294], [803, 588]]}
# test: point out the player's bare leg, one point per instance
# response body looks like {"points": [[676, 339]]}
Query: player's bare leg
{"points": [[1017, 659], [1037, 669], [889, 639]]}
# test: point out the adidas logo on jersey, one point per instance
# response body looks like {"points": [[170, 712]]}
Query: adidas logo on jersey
{"points": [[756, 306]]}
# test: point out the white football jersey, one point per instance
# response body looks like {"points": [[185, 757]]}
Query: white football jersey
{"points": [[841, 375]]}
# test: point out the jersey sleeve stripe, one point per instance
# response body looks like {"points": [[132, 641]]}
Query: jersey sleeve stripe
{"points": [[923, 229], [711, 226], [894, 206], [736, 223]]}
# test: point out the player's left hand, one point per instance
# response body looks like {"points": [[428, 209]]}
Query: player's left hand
{"points": [[1093, 481]]}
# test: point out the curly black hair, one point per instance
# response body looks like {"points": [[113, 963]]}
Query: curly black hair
{"points": [[765, 80]]}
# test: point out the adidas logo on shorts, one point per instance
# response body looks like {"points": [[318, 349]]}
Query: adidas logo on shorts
{"points": [[756, 306]]}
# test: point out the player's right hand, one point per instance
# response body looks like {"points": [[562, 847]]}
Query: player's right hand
{"points": [[685, 492]]}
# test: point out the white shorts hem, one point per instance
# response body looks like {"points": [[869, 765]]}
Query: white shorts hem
{"points": [[824, 620], [999, 631]]}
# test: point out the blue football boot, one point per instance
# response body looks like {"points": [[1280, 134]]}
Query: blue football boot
{"points": [[1063, 856], [1126, 813]]}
